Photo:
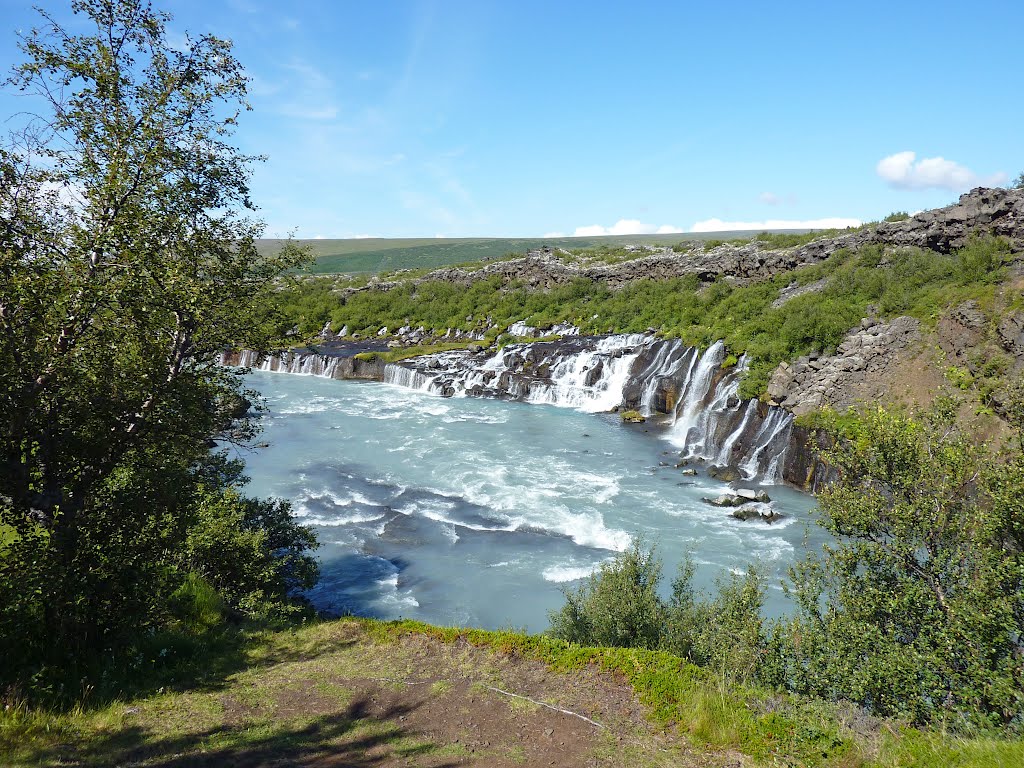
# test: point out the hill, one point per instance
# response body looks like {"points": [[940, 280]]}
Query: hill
{"points": [[376, 255]]}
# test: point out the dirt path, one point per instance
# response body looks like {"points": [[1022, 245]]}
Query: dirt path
{"points": [[344, 700]]}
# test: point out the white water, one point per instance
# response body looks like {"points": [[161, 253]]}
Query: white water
{"points": [[591, 375], [477, 512]]}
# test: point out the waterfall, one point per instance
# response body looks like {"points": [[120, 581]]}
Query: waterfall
{"points": [[699, 399], [724, 456], [778, 421], [410, 378], [696, 389], [662, 368], [591, 380]]}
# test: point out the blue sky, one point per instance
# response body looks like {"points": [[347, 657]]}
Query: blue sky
{"points": [[416, 118]]}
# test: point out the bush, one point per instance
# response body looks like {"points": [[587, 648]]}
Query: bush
{"points": [[620, 606], [917, 609], [617, 606], [982, 259]]}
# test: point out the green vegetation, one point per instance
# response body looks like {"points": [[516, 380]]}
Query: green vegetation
{"points": [[908, 281], [382, 255], [401, 353], [119, 524], [896, 216], [792, 240], [916, 611], [235, 701]]}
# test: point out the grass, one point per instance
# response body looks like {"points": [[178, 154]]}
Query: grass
{"points": [[402, 353], [914, 282], [382, 255], [294, 695]]}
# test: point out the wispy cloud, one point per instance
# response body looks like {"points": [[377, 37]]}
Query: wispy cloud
{"points": [[769, 198], [308, 112], [717, 225], [904, 171], [625, 227]]}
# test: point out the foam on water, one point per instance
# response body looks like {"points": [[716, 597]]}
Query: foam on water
{"points": [[559, 574], [476, 511]]}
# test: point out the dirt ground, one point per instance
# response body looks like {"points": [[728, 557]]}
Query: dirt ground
{"points": [[415, 701]]}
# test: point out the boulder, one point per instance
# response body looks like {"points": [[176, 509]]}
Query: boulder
{"points": [[725, 474], [753, 513], [751, 495], [725, 500]]}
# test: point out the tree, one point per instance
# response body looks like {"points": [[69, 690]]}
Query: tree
{"points": [[917, 607], [1019, 182], [127, 264], [617, 606]]}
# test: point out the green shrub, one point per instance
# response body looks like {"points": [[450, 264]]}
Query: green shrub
{"points": [[618, 606], [982, 259], [196, 604], [917, 608]]}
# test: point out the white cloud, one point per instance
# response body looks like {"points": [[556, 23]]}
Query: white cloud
{"points": [[625, 227], [717, 225], [553, 234], [363, 237], [769, 198], [904, 171]]}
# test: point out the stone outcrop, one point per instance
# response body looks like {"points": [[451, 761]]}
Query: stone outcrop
{"points": [[981, 211], [812, 382]]}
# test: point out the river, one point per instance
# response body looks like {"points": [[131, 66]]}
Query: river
{"points": [[479, 512]]}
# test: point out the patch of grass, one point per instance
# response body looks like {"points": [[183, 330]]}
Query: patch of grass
{"points": [[205, 722], [402, 353], [440, 687]]}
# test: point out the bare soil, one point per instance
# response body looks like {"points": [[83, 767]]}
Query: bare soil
{"points": [[347, 700]]}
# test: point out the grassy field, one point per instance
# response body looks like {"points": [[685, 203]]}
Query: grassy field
{"points": [[358, 692], [373, 255]]}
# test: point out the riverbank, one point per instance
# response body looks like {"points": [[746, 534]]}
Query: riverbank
{"points": [[365, 693]]}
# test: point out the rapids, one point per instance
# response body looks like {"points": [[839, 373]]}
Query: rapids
{"points": [[478, 512]]}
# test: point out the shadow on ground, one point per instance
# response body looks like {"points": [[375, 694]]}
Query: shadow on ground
{"points": [[354, 738]]}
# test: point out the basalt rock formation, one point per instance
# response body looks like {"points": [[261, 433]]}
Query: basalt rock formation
{"points": [[981, 211]]}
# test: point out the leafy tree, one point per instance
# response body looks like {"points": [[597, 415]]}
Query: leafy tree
{"points": [[127, 264], [620, 605], [1019, 182], [917, 608], [617, 606]]}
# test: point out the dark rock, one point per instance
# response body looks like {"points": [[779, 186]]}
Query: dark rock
{"points": [[725, 500], [725, 474], [753, 513]]}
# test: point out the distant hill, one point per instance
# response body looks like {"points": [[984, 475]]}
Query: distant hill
{"points": [[380, 254]]}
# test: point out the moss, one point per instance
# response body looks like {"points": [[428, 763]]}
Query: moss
{"points": [[633, 417]]}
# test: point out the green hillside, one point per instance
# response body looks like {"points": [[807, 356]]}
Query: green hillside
{"points": [[366, 255]]}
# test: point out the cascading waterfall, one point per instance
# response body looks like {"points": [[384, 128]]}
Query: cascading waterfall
{"points": [[662, 368], [577, 382], [724, 456], [692, 402], [304, 364], [774, 430], [699, 399]]}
